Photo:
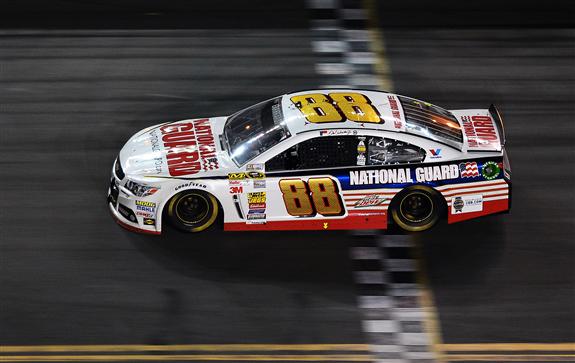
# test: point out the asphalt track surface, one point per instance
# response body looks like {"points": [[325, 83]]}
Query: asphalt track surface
{"points": [[73, 92]]}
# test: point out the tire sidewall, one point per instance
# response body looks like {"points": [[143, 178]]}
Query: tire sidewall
{"points": [[425, 224], [206, 222]]}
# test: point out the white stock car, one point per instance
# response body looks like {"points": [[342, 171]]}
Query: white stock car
{"points": [[321, 159]]}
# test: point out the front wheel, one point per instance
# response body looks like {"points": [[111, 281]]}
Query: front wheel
{"points": [[192, 210], [417, 209]]}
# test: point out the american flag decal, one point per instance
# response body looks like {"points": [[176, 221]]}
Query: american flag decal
{"points": [[469, 169]]}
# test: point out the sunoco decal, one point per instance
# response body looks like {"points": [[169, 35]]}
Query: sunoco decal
{"points": [[190, 147]]}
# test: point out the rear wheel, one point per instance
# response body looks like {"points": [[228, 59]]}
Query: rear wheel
{"points": [[417, 209], [192, 210]]}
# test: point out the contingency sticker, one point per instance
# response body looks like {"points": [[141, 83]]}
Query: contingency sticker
{"points": [[467, 204]]}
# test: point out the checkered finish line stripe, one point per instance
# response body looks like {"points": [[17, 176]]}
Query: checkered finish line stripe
{"points": [[393, 320], [385, 270], [342, 43]]}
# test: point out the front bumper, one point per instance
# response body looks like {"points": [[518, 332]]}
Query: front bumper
{"points": [[129, 212]]}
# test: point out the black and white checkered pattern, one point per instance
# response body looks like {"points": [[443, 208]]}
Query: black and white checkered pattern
{"points": [[385, 268], [393, 319]]}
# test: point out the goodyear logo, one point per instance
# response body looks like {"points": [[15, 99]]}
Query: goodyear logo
{"points": [[149, 221], [246, 175]]}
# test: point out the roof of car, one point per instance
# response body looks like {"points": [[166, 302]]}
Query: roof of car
{"points": [[297, 122], [323, 109]]}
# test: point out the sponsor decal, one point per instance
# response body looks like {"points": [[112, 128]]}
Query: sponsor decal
{"points": [[149, 221], [257, 197], [144, 206], [246, 175], [393, 103], [256, 216], [236, 189], [479, 131], [325, 225], [467, 203], [469, 169], [457, 204], [190, 147], [190, 185], [361, 149], [257, 206], [369, 201], [255, 167], [404, 175], [256, 211], [490, 170], [337, 132], [259, 183], [156, 148], [435, 153], [144, 214]]}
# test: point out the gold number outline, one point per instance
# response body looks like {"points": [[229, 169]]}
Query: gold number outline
{"points": [[335, 105], [313, 210]]}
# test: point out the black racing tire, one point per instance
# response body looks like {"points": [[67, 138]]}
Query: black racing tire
{"points": [[192, 210], [417, 208]]}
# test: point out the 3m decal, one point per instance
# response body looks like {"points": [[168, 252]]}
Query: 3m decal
{"points": [[336, 107], [469, 169], [479, 131], [190, 147], [236, 189], [318, 195], [369, 201], [490, 170], [467, 203]]}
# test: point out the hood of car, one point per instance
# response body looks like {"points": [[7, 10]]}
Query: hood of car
{"points": [[181, 149]]}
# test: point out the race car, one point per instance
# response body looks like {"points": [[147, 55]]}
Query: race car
{"points": [[315, 160]]}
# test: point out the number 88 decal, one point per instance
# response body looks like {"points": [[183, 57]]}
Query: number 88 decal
{"points": [[317, 195], [336, 107]]}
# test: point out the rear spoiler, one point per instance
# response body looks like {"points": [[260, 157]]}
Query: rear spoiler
{"points": [[498, 123]]}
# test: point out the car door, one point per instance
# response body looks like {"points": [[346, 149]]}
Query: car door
{"points": [[302, 181]]}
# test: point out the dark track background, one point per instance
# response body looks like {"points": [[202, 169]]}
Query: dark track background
{"points": [[78, 78]]}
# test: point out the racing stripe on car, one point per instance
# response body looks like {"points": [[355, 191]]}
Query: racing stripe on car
{"points": [[390, 296]]}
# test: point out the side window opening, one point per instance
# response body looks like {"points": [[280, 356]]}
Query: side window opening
{"points": [[388, 151], [345, 151]]}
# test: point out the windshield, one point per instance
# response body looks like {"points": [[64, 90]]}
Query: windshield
{"points": [[252, 131]]}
